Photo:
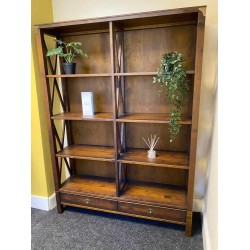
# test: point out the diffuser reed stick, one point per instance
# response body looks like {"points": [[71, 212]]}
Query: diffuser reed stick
{"points": [[151, 143]]}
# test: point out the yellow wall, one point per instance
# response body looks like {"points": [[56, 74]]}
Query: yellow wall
{"points": [[41, 171]]}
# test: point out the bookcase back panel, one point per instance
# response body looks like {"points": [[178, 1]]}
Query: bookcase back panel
{"points": [[157, 174], [135, 132], [101, 88], [96, 46], [142, 96], [92, 133], [144, 48], [141, 22], [95, 168]]}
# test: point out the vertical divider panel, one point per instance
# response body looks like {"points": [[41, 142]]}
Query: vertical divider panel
{"points": [[119, 47], [123, 93], [48, 108], [120, 83], [112, 54]]}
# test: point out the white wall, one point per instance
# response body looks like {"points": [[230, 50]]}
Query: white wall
{"points": [[77, 9], [210, 213]]}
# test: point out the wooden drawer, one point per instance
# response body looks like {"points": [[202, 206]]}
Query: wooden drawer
{"points": [[87, 201], [152, 211]]}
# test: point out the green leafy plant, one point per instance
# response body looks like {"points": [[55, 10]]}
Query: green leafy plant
{"points": [[67, 50], [172, 80]]}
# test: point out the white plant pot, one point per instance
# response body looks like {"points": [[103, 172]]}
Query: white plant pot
{"points": [[151, 153]]}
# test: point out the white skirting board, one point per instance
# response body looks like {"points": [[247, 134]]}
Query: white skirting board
{"points": [[43, 203], [198, 206], [205, 234]]}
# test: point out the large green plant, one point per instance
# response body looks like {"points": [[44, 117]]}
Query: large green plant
{"points": [[172, 80], [67, 50]]}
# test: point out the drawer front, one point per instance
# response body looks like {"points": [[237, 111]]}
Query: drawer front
{"points": [[88, 201], [152, 211]]}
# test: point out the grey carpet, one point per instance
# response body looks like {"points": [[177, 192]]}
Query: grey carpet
{"points": [[91, 230]]}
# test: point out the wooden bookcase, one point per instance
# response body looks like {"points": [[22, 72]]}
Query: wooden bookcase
{"points": [[105, 155]]}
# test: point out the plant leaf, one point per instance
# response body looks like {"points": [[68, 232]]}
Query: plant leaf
{"points": [[55, 51]]}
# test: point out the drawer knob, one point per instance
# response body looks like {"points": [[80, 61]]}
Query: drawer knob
{"points": [[87, 201], [150, 211]]}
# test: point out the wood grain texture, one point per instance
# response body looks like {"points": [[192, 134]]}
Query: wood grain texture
{"points": [[154, 194], [142, 96], [196, 106], [95, 168], [90, 186], [90, 152], [158, 21], [147, 193], [189, 219], [144, 46], [79, 116], [78, 75], [126, 214], [152, 211], [112, 42], [150, 118], [163, 158], [101, 88], [135, 132], [92, 133], [96, 46], [189, 72], [160, 175], [88, 201]]}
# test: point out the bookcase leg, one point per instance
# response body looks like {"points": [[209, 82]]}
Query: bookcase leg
{"points": [[189, 223], [59, 208], [58, 203]]}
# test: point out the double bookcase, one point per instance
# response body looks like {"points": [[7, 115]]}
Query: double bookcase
{"points": [[104, 154]]}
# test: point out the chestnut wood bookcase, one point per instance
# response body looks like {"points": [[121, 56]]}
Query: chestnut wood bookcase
{"points": [[105, 155]]}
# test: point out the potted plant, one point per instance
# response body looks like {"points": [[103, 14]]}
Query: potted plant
{"points": [[172, 80], [68, 51]]}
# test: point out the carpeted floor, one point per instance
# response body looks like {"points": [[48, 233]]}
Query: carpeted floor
{"points": [[91, 230]]}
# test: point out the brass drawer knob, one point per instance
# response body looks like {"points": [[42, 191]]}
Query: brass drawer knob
{"points": [[150, 211], [87, 201]]}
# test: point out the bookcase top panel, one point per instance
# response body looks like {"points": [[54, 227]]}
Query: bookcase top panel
{"points": [[128, 21]]}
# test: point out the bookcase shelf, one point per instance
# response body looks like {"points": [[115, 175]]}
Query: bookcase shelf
{"points": [[189, 72], [104, 154], [79, 75], [155, 194], [89, 152], [90, 185], [151, 118], [163, 159], [79, 116]]}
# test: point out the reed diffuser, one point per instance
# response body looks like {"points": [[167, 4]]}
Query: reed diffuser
{"points": [[151, 142]]}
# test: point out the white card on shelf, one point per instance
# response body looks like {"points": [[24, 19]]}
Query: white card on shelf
{"points": [[87, 103]]}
